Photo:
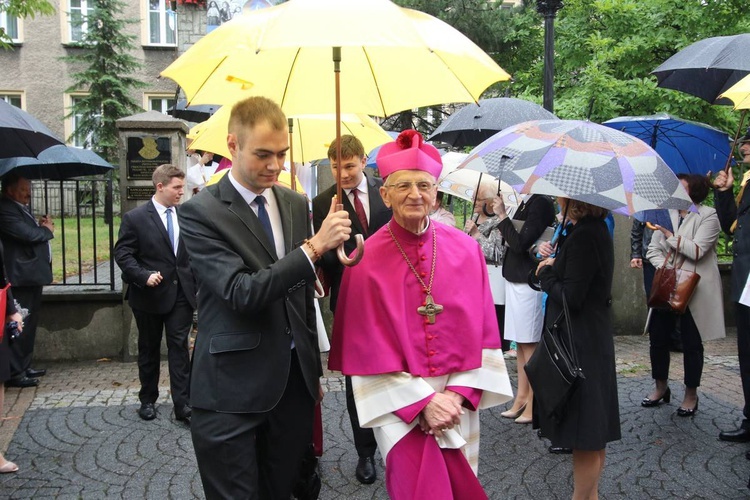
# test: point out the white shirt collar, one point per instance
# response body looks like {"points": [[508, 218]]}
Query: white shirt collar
{"points": [[246, 194], [362, 186]]}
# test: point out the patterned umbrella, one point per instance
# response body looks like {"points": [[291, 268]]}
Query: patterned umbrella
{"points": [[582, 161]]}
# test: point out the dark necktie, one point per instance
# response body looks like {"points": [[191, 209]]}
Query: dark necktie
{"points": [[170, 227], [265, 221], [360, 210]]}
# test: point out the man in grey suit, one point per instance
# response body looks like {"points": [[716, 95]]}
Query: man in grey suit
{"points": [[256, 363], [362, 201], [161, 290], [28, 261]]}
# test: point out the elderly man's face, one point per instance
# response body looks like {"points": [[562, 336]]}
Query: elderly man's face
{"points": [[411, 194], [20, 192]]}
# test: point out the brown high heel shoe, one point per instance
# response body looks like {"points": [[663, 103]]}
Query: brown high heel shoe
{"points": [[513, 414]]}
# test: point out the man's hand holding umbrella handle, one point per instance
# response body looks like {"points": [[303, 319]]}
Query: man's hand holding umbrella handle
{"points": [[724, 180], [47, 222], [335, 230], [636, 263]]}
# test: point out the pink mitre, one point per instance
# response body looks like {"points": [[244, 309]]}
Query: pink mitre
{"points": [[409, 152]]}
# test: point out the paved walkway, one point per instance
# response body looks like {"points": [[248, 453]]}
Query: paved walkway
{"points": [[78, 436]]}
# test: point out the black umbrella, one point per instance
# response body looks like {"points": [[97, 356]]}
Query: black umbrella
{"points": [[473, 124], [707, 68], [56, 163], [194, 113], [22, 135]]}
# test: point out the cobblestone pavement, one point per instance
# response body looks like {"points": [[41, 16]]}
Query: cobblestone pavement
{"points": [[78, 436]]}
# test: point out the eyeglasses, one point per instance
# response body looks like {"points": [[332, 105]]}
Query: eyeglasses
{"points": [[405, 186]]}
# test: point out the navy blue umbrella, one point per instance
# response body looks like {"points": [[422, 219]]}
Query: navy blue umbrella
{"points": [[56, 163], [22, 135], [686, 146], [193, 113]]}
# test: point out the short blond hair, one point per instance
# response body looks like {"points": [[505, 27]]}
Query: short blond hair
{"points": [[246, 114]]}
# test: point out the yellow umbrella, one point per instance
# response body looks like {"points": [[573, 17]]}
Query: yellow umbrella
{"points": [[285, 179], [739, 93], [392, 59], [313, 134]]}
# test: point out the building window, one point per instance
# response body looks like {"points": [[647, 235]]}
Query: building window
{"points": [[162, 23], [13, 99], [160, 103], [71, 124], [79, 10], [9, 23]]}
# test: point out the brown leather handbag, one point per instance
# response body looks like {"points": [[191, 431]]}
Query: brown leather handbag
{"points": [[673, 287]]}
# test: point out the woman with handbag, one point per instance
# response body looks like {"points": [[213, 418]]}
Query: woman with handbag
{"points": [[579, 279], [523, 305], [8, 305], [694, 248]]}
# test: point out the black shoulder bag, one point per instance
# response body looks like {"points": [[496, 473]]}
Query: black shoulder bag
{"points": [[553, 369]]}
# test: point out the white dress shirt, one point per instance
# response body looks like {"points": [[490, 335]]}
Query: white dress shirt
{"points": [[162, 210], [363, 196]]}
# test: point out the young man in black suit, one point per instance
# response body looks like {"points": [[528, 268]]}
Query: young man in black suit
{"points": [[256, 364], [368, 213], [28, 262], [161, 291]]}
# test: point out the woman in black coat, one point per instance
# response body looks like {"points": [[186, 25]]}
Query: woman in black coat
{"points": [[582, 273], [10, 315]]}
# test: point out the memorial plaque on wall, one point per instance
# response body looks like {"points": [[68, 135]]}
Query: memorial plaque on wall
{"points": [[145, 154], [139, 192]]}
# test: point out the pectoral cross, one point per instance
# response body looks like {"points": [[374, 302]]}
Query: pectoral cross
{"points": [[430, 309]]}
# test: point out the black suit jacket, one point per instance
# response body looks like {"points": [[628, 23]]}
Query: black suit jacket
{"points": [[251, 303], [27, 254], [538, 213], [728, 211], [379, 216], [143, 248]]}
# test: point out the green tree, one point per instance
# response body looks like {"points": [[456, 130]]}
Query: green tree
{"points": [[22, 9], [105, 54], [606, 49]]}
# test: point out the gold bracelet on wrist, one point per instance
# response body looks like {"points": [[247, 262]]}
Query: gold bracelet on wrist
{"points": [[315, 252]]}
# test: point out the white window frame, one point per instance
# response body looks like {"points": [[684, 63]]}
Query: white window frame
{"points": [[86, 6], [165, 13], [18, 38], [164, 98], [7, 95], [71, 121]]}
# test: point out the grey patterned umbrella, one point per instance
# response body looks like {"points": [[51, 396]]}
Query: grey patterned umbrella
{"points": [[474, 123], [582, 161]]}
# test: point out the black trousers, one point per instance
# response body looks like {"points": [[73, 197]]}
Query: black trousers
{"points": [[22, 350], [255, 455], [742, 316], [176, 323], [661, 327], [364, 438]]}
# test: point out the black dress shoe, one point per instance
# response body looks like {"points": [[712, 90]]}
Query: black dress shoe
{"points": [[184, 414], [33, 372], [22, 382], [740, 435], [688, 412], [666, 397], [747, 455], [365, 472], [559, 450], [147, 411]]}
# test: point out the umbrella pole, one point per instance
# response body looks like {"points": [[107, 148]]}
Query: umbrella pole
{"points": [[476, 195], [293, 181], [340, 252], [736, 136]]}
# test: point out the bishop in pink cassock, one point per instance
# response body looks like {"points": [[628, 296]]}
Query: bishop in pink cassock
{"points": [[416, 329]]}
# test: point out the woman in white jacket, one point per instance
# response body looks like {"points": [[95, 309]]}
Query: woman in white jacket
{"points": [[697, 234]]}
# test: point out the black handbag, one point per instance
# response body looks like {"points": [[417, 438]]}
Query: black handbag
{"points": [[553, 369]]}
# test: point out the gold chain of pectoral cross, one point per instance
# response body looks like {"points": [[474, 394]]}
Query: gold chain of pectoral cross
{"points": [[430, 309]]}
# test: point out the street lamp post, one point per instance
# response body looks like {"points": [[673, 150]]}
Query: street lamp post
{"points": [[549, 8]]}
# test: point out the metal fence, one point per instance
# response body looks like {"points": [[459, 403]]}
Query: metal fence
{"points": [[84, 215]]}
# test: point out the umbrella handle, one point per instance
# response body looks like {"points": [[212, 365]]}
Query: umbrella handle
{"points": [[734, 143], [357, 257]]}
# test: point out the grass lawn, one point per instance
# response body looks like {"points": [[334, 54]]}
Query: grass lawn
{"points": [[86, 246]]}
